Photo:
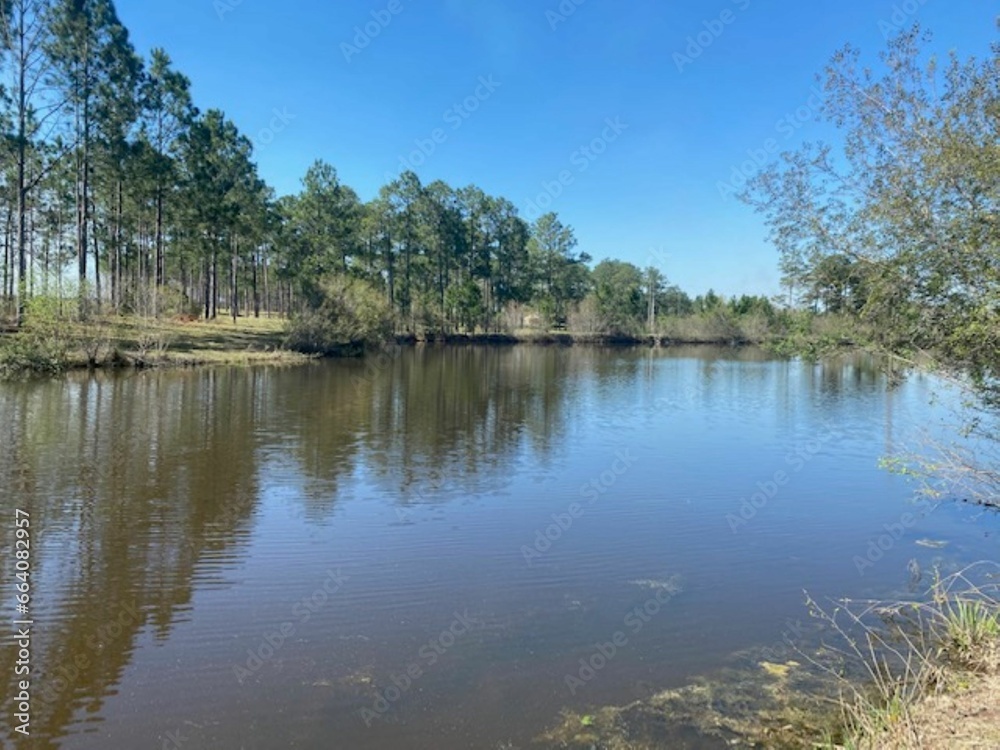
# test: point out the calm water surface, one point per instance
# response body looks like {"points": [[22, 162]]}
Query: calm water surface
{"points": [[416, 553]]}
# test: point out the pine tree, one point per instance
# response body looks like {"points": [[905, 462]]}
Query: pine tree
{"points": [[24, 32]]}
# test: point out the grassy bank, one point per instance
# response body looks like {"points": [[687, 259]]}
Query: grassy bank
{"points": [[931, 668], [220, 341], [54, 345]]}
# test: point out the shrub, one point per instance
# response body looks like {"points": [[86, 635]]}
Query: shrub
{"points": [[755, 327], [42, 345], [587, 317], [717, 326], [347, 316]]}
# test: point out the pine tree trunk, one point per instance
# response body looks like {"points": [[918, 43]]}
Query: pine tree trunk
{"points": [[256, 292], [115, 258], [208, 289], [267, 292], [160, 264], [83, 194], [97, 262], [22, 188], [215, 283], [8, 261], [234, 291]]}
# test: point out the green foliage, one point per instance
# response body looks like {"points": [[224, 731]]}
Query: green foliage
{"points": [[753, 305], [806, 334], [322, 227], [898, 227], [971, 633], [837, 284], [348, 316], [561, 276], [42, 345], [465, 303], [674, 301], [707, 302], [618, 288]]}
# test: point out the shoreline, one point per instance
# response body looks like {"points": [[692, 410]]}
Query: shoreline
{"points": [[563, 338], [140, 344], [567, 338]]}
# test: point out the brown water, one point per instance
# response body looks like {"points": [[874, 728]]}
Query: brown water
{"points": [[353, 555]]}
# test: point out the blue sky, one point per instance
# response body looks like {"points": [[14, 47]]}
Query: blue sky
{"points": [[505, 94]]}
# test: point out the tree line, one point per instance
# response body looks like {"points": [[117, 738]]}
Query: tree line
{"points": [[116, 189], [112, 181]]}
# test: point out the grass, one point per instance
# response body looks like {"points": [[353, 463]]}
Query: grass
{"points": [[971, 634], [220, 341], [200, 337], [931, 669], [143, 342]]}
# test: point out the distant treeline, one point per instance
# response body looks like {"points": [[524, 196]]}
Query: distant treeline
{"points": [[113, 179]]}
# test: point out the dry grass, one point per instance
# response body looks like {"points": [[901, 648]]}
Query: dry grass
{"points": [[920, 674], [966, 718], [165, 342]]}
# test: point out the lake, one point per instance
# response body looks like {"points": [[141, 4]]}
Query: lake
{"points": [[443, 548]]}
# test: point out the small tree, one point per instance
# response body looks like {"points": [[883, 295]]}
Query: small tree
{"points": [[348, 316]]}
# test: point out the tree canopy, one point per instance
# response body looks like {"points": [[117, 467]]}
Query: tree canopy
{"points": [[901, 222]]}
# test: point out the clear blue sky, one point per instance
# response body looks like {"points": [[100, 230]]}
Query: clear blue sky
{"points": [[655, 186]]}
